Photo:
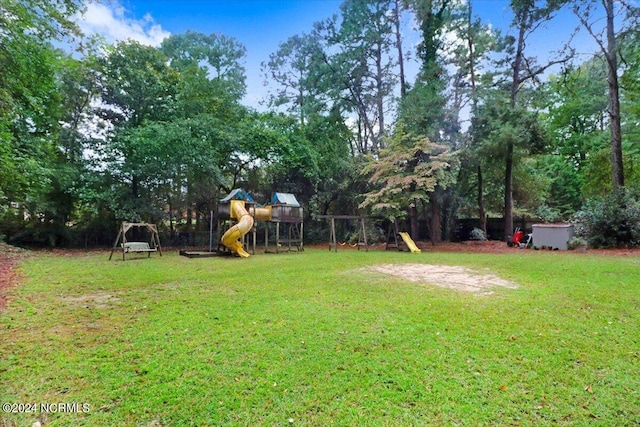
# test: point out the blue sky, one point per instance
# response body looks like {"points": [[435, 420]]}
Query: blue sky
{"points": [[260, 25]]}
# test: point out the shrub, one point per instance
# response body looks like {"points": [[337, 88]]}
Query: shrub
{"points": [[576, 242], [478, 234], [610, 221]]}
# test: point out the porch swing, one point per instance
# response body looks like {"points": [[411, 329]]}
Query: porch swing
{"points": [[153, 245]]}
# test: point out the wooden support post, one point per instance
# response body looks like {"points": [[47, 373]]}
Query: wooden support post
{"points": [[302, 236], [333, 242], [364, 235], [115, 244]]}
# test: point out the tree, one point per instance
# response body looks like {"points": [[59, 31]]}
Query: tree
{"points": [[137, 87], [216, 57], [297, 67], [407, 172], [503, 130], [360, 67], [528, 17], [208, 117], [396, 20], [422, 109], [607, 41], [469, 56], [30, 108], [138, 84], [577, 103]]}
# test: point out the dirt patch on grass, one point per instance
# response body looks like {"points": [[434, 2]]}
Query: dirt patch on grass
{"points": [[98, 300], [450, 277], [9, 257]]}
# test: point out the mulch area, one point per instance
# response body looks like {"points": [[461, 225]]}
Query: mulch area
{"points": [[10, 256], [490, 246], [498, 247]]}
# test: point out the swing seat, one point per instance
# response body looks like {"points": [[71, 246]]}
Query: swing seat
{"points": [[153, 245], [137, 247]]}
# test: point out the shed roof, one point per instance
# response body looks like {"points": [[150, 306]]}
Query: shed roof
{"points": [[284, 199]]}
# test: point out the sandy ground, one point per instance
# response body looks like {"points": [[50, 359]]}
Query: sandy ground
{"points": [[450, 277]]}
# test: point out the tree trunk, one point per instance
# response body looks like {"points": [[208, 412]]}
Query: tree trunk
{"points": [[508, 193], [508, 173], [436, 218], [482, 215], [379, 94], [134, 185], [413, 221], [172, 232], [614, 101], [301, 100], [403, 85]]}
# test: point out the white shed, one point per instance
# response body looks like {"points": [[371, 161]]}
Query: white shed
{"points": [[555, 236]]}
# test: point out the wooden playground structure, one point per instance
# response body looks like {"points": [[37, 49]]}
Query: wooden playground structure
{"points": [[362, 232], [392, 241]]}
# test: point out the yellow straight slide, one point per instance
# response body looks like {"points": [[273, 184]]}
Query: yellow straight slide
{"points": [[410, 243]]}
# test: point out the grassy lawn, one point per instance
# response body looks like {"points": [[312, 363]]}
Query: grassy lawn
{"points": [[314, 339]]}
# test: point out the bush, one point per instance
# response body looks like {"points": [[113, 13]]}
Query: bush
{"points": [[610, 221], [576, 242], [478, 234]]}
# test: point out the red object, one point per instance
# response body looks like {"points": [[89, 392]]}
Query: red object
{"points": [[517, 237]]}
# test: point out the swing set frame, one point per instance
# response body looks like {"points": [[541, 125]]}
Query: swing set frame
{"points": [[153, 245]]}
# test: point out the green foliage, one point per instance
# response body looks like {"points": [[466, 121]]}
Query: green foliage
{"points": [[216, 58], [477, 234], [345, 63], [612, 220], [405, 172], [297, 68], [31, 113], [578, 105], [422, 110], [42, 19], [497, 124], [630, 83], [565, 187], [138, 84]]}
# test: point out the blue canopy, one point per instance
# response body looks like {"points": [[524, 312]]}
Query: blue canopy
{"points": [[237, 194], [284, 199]]}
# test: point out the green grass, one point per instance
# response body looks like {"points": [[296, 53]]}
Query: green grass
{"points": [[312, 337]]}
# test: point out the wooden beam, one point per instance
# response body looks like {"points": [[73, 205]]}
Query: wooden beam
{"points": [[340, 217]]}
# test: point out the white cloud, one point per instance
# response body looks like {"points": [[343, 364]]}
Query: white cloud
{"points": [[110, 20]]}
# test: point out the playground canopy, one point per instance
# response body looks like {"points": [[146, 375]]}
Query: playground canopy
{"points": [[237, 194], [285, 199]]}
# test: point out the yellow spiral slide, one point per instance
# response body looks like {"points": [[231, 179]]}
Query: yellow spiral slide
{"points": [[231, 239]]}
